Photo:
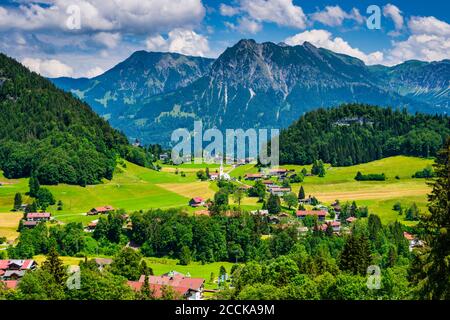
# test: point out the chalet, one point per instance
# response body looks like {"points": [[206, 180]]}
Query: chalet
{"points": [[305, 201], [274, 220], [278, 191], [278, 172], [186, 287], [269, 183], [336, 225], [15, 269], [414, 242], [254, 176], [214, 176], [245, 187], [38, 216], [196, 202], [284, 215], [336, 207], [100, 210], [321, 207], [302, 230], [91, 226], [301, 214]]}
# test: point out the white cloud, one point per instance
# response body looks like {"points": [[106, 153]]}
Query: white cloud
{"points": [[109, 40], [281, 12], [429, 41], [228, 11], [48, 68], [334, 16], [324, 39], [429, 25], [245, 25], [183, 41], [135, 16], [395, 14]]}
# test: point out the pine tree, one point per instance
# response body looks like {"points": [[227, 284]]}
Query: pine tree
{"points": [[55, 266], [273, 204], [33, 185], [436, 284], [356, 255], [301, 193], [17, 201]]}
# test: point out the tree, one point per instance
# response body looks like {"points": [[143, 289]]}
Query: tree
{"points": [[33, 185], [185, 256], [55, 267], [436, 227], [17, 201], [146, 292], [238, 195], [356, 255], [301, 193], [290, 199], [413, 213], [45, 198], [318, 168], [374, 226], [258, 190], [126, 264], [273, 204], [40, 285]]}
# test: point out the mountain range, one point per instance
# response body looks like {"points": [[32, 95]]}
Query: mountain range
{"points": [[251, 85]]}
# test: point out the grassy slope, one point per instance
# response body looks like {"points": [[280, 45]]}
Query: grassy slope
{"points": [[135, 188]]}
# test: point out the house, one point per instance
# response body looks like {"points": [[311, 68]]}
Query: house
{"points": [[186, 287], [102, 263], [336, 225], [305, 201], [278, 172], [321, 207], [15, 269], [10, 284], [196, 202], [91, 226], [38, 216], [100, 210], [269, 183], [351, 219], [274, 220], [30, 224], [301, 214], [201, 213], [302, 230], [278, 191], [245, 187], [414, 242], [254, 176], [163, 157]]}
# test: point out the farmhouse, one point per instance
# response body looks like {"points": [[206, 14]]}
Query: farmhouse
{"points": [[196, 202], [30, 224], [278, 172], [102, 263], [100, 210], [278, 191], [269, 183], [254, 176], [38, 216], [336, 225], [91, 226], [301, 214], [351, 219], [414, 242], [15, 269], [186, 287]]}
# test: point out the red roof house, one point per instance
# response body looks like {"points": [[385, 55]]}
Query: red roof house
{"points": [[197, 202], [38, 216], [101, 210], [321, 214]]}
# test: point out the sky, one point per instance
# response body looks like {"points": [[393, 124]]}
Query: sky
{"points": [[84, 38]]}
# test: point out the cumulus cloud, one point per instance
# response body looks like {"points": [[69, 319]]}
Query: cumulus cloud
{"points": [[254, 12], [429, 41], [245, 25], [134, 16], [48, 68], [334, 16], [183, 41], [324, 39], [395, 14]]}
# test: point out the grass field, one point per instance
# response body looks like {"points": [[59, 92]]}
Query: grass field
{"points": [[136, 188]]}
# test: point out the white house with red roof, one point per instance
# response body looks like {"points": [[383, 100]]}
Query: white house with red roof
{"points": [[196, 202], [100, 210], [38, 216], [15, 269]]}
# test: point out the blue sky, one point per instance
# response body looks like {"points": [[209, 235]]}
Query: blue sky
{"points": [[87, 37]]}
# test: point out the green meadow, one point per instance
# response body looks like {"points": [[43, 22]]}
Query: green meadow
{"points": [[136, 188]]}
